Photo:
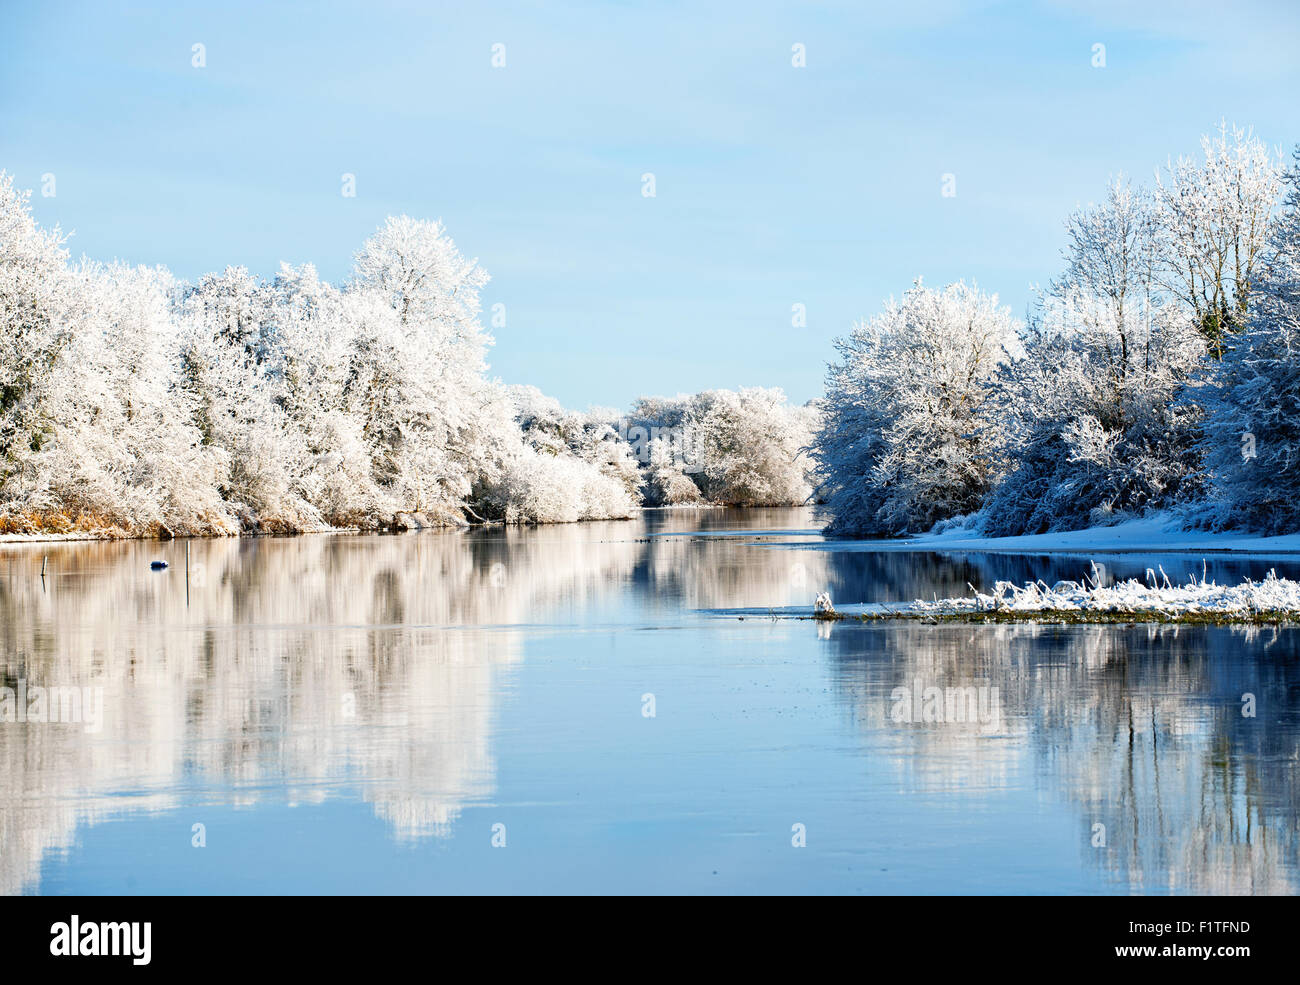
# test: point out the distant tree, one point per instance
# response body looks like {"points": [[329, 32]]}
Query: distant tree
{"points": [[569, 466], [665, 482], [751, 445], [738, 448], [658, 433]]}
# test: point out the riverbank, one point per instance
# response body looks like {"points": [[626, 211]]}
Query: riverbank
{"points": [[408, 523], [117, 533], [1158, 533]]}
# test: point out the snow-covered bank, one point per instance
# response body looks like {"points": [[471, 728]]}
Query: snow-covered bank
{"points": [[1273, 599], [116, 533], [1160, 533], [409, 523]]}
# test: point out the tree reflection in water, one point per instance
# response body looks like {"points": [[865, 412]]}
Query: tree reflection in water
{"points": [[374, 667]]}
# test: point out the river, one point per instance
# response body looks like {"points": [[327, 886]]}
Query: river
{"points": [[570, 709]]}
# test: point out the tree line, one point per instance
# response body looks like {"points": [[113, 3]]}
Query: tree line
{"points": [[133, 403]]}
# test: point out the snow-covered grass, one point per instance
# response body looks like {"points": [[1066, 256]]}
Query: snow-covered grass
{"points": [[1157, 596], [1087, 600]]}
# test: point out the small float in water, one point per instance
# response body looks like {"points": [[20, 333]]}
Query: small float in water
{"points": [[157, 565]]}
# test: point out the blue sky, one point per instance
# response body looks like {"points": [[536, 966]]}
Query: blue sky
{"points": [[775, 185]]}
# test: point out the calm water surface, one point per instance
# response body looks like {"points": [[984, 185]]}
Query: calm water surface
{"points": [[361, 714]]}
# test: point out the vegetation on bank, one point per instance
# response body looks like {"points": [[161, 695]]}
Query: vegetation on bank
{"points": [[132, 404], [1158, 371]]}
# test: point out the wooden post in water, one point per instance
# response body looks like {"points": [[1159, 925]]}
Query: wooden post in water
{"points": [[187, 574], [44, 561]]}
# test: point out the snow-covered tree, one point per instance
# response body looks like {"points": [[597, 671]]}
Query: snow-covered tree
{"points": [[236, 403], [534, 487], [663, 444], [232, 370], [564, 466], [1252, 398], [1092, 425], [1109, 282], [908, 433], [752, 445], [1084, 444], [123, 448], [316, 329], [664, 478], [431, 415], [94, 431], [591, 436], [36, 297], [1213, 219]]}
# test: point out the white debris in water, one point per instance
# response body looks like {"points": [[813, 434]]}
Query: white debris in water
{"points": [[1158, 596], [823, 606]]}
